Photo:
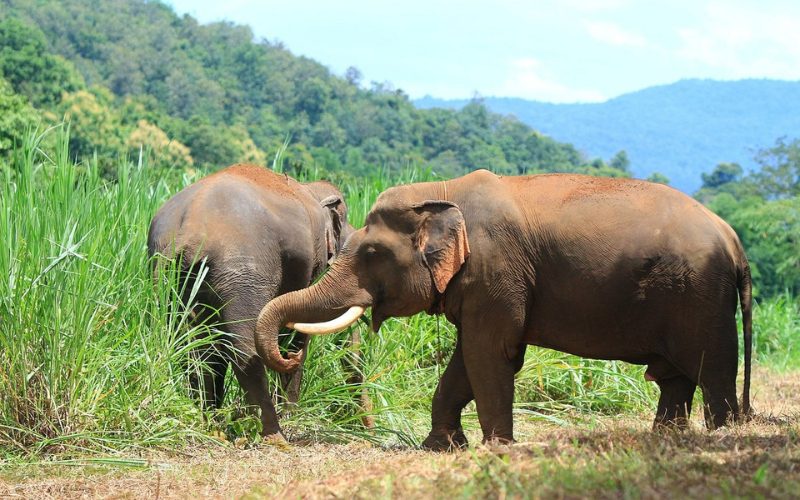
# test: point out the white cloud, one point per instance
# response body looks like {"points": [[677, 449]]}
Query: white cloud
{"points": [[745, 41], [613, 35], [528, 79]]}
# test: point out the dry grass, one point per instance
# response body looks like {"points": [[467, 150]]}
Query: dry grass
{"points": [[594, 456]]}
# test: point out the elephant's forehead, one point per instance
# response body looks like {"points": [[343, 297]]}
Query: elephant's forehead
{"points": [[393, 217], [400, 198], [392, 197]]}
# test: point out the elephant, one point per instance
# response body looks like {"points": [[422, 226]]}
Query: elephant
{"points": [[259, 234], [615, 269]]}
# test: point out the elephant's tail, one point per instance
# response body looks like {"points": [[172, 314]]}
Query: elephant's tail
{"points": [[745, 287]]}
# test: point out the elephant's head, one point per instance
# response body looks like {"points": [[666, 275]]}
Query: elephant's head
{"points": [[399, 263], [337, 228]]}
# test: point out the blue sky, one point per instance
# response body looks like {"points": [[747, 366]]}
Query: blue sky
{"points": [[548, 50]]}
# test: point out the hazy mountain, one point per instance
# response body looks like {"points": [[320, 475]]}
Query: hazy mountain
{"points": [[680, 130]]}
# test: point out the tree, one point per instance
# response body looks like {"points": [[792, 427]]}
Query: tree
{"points": [[770, 232], [16, 117], [30, 69], [353, 76], [147, 136], [328, 133], [95, 126], [724, 173], [727, 178], [620, 161], [230, 98], [215, 146], [313, 96], [779, 177], [659, 178], [189, 93]]}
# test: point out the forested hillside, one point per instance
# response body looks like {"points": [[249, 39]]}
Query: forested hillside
{"points": [[131, 73], [680, 130]]}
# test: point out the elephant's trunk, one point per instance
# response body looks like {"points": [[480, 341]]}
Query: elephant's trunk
{"points": [[335, 296]]}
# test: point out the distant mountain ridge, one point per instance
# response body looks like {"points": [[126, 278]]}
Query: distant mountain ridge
{"points": [[681, 129]]}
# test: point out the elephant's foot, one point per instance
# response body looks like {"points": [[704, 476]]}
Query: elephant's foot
{"points": [[368, 421], [275, 439], [495, 441], [445, 440], [662, 424], [366, 407]]}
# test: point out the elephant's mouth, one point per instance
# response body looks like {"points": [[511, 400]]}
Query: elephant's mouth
{"points": [[394, 306], [377, 320], [378, 315]]}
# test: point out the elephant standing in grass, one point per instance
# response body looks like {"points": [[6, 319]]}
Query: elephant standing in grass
{"points": [[259, 234], [602, 268]]}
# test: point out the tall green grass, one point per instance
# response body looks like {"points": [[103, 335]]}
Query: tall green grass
{"points": [[91, 359], [776, 332], [88, 356]]}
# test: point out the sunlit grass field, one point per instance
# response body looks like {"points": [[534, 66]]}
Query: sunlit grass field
{"points": [[92, 363]]}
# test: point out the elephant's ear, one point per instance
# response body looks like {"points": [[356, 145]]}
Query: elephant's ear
{"points": [[337, 212], [442, 239]]}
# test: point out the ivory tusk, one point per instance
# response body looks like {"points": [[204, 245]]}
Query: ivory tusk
{"points": [[332, 326]]}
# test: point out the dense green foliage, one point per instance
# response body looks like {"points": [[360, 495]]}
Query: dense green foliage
{"points": [[131, 73], [679, 129], [764, 209]]}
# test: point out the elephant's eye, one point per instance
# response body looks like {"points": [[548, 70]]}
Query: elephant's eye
{"points": [[374, 251]]}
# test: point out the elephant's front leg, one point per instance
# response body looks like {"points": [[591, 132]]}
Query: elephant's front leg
{"points": [[493, 354], [451, 396]]}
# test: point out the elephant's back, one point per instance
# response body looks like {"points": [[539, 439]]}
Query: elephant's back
{"points": [[263, 179], [620, 215], [240, 210]]}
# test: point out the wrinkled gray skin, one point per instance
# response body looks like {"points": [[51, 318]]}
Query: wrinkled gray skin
{"points": [[262, 235], [602, 268]]}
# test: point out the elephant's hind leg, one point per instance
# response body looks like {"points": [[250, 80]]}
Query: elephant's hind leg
{"points": [[675, 402], [716, 375], [719, 395], [242, 307], [213, 379], [253, 379], [718, 379], [250, 371]]}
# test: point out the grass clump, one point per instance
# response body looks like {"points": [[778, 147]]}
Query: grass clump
{"points": [[776, 332]]}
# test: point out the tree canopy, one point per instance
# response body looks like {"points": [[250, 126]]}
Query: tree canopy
{"points": [[133, 72], [764, 209]]}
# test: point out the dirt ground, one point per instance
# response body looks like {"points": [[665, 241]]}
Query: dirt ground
{"points": [[594, 456]]}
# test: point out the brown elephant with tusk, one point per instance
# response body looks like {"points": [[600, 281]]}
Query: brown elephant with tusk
{"points": [[258, 234], [602, 268]]}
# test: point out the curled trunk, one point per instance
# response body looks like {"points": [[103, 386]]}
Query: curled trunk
{"points": [[330, 298]]}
